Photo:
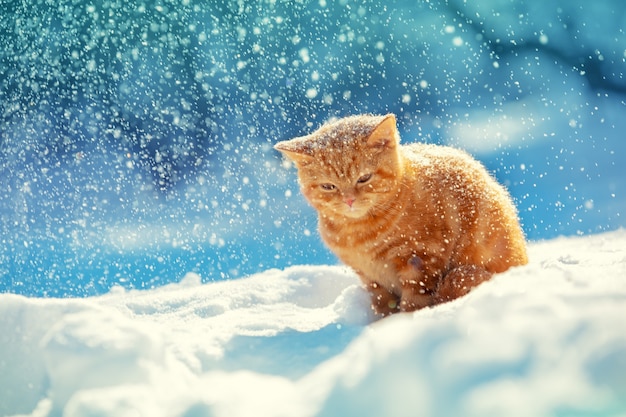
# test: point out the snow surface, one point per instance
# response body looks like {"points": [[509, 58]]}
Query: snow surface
{"points": [[547, 339]]}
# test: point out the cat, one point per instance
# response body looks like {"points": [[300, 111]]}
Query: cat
{"points": [[420, 224]]}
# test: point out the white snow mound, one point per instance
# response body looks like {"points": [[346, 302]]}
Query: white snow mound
{"points": [[546, 339]]}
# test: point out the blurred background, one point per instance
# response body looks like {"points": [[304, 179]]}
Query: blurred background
{"points": [[136, 136]]}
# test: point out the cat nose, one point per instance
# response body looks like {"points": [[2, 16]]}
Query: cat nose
{"points": [[349, 201]]}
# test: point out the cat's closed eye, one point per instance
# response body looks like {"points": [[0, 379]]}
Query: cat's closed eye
{"points": [[328, 187], [364, 178]]}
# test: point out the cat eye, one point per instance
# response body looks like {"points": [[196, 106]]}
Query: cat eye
{"points": [[363, 179], [328, 187]]}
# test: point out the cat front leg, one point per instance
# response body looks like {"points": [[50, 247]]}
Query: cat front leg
{"points": [[384, 302], [414, 297], [459, 281]]}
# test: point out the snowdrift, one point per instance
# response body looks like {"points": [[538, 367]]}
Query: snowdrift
{"points": [[547, 339]]}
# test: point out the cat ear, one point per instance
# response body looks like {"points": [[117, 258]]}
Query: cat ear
{"points": [[298, 150], [385, 135]]}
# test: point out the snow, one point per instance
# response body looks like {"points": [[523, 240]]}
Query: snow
{"points": [[136, 147], [546, 339]]}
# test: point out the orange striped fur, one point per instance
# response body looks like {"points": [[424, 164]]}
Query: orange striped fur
{"points": [[420, 224]]}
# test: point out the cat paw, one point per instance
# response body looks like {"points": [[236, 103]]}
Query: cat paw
{"points": [[415, 303], [416, 294], [384, 303], [384, 311]]}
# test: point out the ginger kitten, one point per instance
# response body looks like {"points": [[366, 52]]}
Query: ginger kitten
{"points": [[420, 224]]}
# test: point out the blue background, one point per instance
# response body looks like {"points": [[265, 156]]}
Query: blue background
{"points": [[136, 136]]}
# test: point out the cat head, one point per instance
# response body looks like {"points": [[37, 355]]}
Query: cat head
{"points": [[349, 167]]}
